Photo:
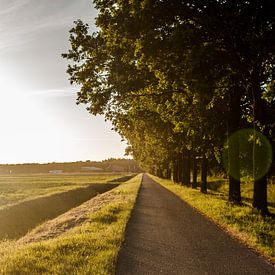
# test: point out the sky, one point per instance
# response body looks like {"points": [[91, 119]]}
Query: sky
{"points": [[39, 119]]}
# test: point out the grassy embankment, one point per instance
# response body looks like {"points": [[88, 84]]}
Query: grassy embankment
{"points": [[88, 248], [17, 188], [241, 221]]}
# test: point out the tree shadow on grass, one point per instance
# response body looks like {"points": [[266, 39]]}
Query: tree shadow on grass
{"points": [[215, 185], [122, 179]]}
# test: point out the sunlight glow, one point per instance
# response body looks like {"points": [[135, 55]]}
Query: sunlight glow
{"points": [[46, 126], [39, 119], [25, 126]]}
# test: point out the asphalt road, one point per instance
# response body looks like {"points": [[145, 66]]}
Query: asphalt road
{"points": [[167, 236]]}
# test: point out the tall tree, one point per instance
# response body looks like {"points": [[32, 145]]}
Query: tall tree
{"points": [[183, 60]]}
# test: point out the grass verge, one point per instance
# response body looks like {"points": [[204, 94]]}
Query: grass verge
{"points": [[90, 248], [221, 186], [240, 221]]}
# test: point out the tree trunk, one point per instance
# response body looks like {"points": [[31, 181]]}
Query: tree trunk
{"points": [[260, 195], [204, 174], [195, 172], [234, 195], [234, 172], [260, 185], [175, 171], [186, 169], [234, 191], [181, 169], [168, 172], [159, 174]]}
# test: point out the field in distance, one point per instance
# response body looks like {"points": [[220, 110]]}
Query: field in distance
{"points": [[18, 188]]}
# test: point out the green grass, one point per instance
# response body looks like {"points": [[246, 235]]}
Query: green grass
{"points": [[244, 223], [91, 248], [221, 186], [18, 188]]}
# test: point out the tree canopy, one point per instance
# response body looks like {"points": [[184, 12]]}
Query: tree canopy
{"points": [[177, 78]]}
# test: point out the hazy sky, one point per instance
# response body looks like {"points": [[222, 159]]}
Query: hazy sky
{"points": [[38, 117]]}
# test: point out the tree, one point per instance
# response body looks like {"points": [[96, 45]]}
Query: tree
{"points": [[178, 62]]}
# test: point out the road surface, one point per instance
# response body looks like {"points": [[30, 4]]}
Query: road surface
{"points": [[167, 236]]}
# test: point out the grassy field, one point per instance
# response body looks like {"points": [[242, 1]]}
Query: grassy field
{"points": [[18, 188], [87, 248], [241, 221]]}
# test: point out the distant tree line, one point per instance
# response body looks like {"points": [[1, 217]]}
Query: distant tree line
{"points": [[128, 165], [177, 78]]}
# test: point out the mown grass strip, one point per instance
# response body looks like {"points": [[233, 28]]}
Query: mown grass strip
{"points": [[91, 248], [248, 226]]}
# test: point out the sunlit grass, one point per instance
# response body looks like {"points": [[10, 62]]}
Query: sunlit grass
{"points": [[17, 188], [241, 221], [91, 248], [221, 186]]}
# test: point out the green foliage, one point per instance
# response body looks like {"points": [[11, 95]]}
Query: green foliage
{"points": [[176, 77]]}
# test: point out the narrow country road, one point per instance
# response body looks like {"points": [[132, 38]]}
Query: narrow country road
{"points": [[166, 236]]}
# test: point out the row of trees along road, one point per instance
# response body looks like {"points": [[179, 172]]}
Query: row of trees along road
{"points": [[177, 77]]}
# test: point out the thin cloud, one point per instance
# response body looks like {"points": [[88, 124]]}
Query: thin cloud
{"points": [[37, 16], [66, 92], [93, 139], [11, 6]]}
